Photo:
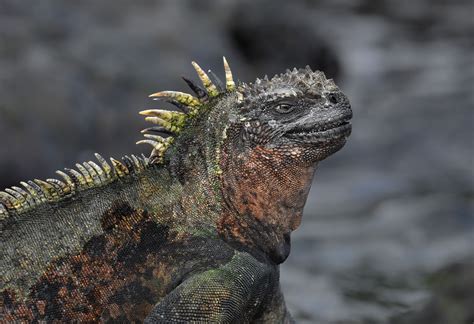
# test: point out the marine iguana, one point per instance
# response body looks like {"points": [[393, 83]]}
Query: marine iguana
{"points": [[193, 233]]}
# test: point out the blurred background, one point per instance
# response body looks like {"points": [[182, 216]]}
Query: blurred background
{"points": [[388, 232]]}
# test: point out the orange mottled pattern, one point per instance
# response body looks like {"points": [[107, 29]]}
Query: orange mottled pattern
{"points": [[117, 276], [264, 211]]}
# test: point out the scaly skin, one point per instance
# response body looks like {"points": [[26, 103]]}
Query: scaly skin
{"points": [[197, 232]]}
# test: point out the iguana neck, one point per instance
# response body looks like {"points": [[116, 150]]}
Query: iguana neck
{"points": [[265, 195], [193, 163]]}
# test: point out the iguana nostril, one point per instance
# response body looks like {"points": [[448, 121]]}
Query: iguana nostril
{"points": [[332, 98]]}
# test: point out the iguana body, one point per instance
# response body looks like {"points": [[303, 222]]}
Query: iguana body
{"points": [[196, 232]]}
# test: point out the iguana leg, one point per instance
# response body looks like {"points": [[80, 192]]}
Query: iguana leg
{"points": [[275, 311], [233, 293]]}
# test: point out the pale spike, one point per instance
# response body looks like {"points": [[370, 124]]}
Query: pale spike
{"points": [[137, 163], [158, 152], [20, 200], [93, 173], [105, 166], [229, 80], [34, 194], [29, 199], [15, 194], [79, 177], [85, 173], [164, 141], [39, 192], [145, 159], [159, 144], [99, 171], [65, 189], [157, 138], [70, 183], [56, 187], [155, 144], [165, 114], [48, 189], [166, 124], [120, 169], [181, 97], [206, 81], [9, 201], [175, 119]]}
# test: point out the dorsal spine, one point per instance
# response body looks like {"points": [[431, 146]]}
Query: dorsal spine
{"points": [[92, 175]]}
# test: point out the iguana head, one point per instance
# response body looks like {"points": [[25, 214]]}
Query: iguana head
{"points": [[299, 114], [262, 141], [299, 110]]}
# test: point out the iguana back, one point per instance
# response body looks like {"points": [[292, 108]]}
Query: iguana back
{"points": [[196, 231]]}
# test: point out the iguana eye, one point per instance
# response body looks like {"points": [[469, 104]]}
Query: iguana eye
{"points": [[284, 108]]}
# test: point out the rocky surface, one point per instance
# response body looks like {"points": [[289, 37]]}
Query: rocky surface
{"points": [[389, 227]]}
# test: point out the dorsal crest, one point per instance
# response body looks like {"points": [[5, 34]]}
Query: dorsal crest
{"points": [[172, 122], [92, 175]]}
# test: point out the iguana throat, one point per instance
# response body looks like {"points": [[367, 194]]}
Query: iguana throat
{"points": [[265, 197]]}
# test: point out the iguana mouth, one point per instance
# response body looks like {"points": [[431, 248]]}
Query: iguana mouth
{"points": [[336, 129]]}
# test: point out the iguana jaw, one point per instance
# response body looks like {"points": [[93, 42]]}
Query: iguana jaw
{"points": [[317, 133], [320, 141]]}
